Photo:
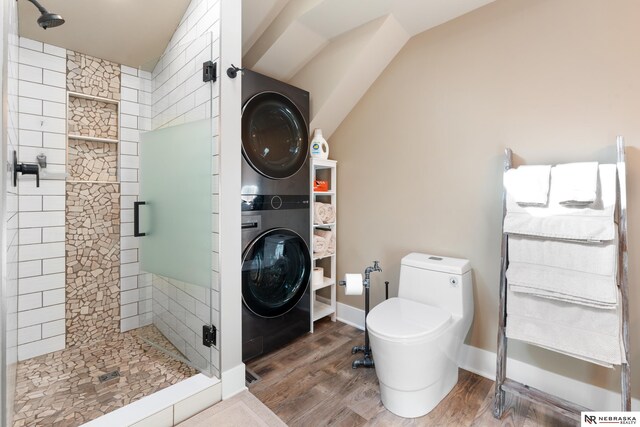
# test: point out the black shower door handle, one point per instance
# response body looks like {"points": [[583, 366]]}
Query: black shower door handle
{"points": [[136, 219]]}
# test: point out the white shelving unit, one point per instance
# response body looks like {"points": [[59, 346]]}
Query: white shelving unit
{"points": [[324, 170]]}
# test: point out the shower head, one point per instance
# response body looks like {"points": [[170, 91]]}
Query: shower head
{"points": [[47, 19]]}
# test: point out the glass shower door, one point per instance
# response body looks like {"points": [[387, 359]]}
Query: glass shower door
{"points": [[174, 228], [173, 221]]}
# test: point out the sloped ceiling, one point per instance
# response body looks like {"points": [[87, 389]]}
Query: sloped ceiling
{"points": [[130, 32], [300, 41]]}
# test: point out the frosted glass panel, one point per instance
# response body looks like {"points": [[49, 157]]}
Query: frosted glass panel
{"points": [[175, 173]]}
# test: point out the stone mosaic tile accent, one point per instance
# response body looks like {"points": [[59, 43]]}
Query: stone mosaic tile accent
{"points": [[93, 262], [63, 389], [92, 161], [93, 76], [88, 117]]}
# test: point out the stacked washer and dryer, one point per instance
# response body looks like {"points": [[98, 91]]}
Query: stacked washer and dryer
{"points": [[276, 236]]}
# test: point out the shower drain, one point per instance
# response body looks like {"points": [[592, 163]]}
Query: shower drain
{"points": [[109, 376]]}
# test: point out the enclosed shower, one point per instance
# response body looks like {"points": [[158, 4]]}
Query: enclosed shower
{"points": [[116, 251]]}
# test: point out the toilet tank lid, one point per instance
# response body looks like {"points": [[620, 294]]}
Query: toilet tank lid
{"points": [[437, 263]]}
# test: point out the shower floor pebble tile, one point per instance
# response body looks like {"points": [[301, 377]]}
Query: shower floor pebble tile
{"points": [[63, 389]]}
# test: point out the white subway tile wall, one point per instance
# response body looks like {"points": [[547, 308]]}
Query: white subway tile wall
{"points": [[10, 208], [179, 96], [42, 129], [135, 287], [42, 105]]}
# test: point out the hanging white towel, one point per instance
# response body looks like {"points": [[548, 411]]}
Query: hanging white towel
{"points": [[590, 346], [592, 290], [528, 185], [587, 333], [582, 317], [592, 223], [576, 183], [595, 258]]}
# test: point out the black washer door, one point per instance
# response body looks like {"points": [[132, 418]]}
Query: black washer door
{"points": [[275, 272], [275, 140]]}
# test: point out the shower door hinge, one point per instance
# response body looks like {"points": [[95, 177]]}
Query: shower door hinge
{"points": [[209, 71], [208, 335]]}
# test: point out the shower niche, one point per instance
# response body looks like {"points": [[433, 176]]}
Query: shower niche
{"points": [[92, 151]]}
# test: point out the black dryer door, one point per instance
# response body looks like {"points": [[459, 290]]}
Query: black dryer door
{"points": [[275, 272], [275, 140]]}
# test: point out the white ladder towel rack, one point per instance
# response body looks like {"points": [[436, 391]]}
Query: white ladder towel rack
{"points": [[504, 384]]}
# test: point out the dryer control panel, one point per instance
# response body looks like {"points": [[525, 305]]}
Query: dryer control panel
{"points": [[272, 202]]}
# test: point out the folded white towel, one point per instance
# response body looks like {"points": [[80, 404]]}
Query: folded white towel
{"points": [[576, 183], [593, 347], [582, 332], [528, 185], [595, 258], [606, 322], [573, 319], [592, 223], [593, 290]]}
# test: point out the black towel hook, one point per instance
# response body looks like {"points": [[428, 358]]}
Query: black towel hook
{"points": [[233, 71]]}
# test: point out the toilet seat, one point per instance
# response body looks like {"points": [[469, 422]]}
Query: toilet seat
{"points": [[398, 319]]}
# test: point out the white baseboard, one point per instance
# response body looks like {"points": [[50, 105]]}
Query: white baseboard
{"points": [[483, 363], [233, 381]]}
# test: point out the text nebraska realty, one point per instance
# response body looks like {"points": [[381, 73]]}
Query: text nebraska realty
{"points": [[610, 419]]}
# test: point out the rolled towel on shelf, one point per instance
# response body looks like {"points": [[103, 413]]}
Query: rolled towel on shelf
{"points": [[322, 213], [317, 219], [329, 237], [577, 287], [320, 245], [576, 183], [330, 216], [528, 185], [594, 222]]}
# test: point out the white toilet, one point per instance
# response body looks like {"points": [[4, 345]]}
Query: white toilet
{"points": [[415, 338]]}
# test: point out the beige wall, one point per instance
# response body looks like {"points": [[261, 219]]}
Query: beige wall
{"points": [[420, 155]]}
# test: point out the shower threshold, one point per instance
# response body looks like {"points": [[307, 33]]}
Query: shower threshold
{"points": [[64, 388]]}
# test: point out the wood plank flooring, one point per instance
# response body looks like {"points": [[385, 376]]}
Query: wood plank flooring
{"points": [[311, 383]]}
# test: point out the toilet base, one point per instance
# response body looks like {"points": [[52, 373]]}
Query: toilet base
{"points": [[414, 404]]}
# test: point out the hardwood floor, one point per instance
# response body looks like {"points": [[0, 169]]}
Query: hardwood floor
{"points": [[311, 383]]}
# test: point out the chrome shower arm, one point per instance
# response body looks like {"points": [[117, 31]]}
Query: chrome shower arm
{"points": [[39, 6]]}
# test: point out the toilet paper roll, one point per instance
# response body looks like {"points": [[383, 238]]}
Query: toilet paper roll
{"points": [[317, 276], [354, 284]]}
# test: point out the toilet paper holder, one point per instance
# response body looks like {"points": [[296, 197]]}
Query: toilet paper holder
{"points": [[367, 360]]}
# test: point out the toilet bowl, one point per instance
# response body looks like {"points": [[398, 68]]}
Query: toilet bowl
{"points": [[416, 338]]}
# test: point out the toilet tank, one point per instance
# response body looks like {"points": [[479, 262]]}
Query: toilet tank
{"points": [[439, 281]]}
